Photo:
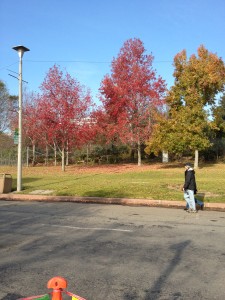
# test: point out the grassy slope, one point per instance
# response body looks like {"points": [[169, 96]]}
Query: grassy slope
{"points": [[153, 182]]}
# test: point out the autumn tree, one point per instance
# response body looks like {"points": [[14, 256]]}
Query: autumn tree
{"points": [[198, 80], [63, 107], [180, 132], [131, 95]]}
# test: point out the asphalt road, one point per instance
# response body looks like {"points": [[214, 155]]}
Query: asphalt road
{"points": [[111, 252]]}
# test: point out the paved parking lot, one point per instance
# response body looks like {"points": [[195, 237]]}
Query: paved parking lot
{"points": [[111, 251]]}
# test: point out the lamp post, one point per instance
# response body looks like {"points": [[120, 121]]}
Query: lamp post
{"points": [[20, 50]]}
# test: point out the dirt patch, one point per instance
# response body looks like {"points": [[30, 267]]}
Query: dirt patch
{"points": [[123, 168], [42, 192], [87, 169]]}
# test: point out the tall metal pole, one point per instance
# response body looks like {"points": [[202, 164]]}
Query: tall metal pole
{"points": [[20, 50], [19, 161]]}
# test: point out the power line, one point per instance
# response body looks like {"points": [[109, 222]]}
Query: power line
{"points": [[76, 61], [12, 71], [69, 61], [88, 62], [8, 66], [17, 78]]}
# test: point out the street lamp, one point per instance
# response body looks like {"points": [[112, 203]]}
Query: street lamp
{"points": [[20, 50]]}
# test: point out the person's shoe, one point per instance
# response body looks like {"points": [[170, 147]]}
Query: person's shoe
{"points": [[185, 208], [193, 211]]}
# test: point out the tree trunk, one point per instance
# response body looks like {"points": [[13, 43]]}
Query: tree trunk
{"points": [[67, 154], [27, 156], [196, 159], [63, 159], [55, 155], [139, 153], [33, 160], [87, 155], [165, 156], [46, 155], [67, 158]]}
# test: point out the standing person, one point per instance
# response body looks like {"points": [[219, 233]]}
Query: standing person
{"points": [[190, 188]]}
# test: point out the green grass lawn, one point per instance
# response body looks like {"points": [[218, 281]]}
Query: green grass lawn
{"points": [[162, 182]]}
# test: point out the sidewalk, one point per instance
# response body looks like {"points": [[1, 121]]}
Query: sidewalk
{"points": [[118, 201]]}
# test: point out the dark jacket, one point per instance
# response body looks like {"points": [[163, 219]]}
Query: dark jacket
{"points": [[190, 183]]}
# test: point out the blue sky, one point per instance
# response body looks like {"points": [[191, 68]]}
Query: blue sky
{"points": [[82, 37]]}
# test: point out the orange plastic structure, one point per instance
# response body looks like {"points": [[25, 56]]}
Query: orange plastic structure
{"points": [[57, 284]]}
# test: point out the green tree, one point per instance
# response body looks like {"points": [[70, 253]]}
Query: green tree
{"points": [[8, 105], [4, 107], [179, 132], [198, 80]]}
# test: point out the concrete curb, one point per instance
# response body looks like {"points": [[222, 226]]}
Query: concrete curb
{"points": [[97, 200]]}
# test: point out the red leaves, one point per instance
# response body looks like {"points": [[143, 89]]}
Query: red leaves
{"points": [[58, 112], [132, 92], [130, 97]]}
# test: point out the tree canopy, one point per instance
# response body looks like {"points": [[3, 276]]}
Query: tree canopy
{"points": [[56, 117], [132, 94], [198, 80]]}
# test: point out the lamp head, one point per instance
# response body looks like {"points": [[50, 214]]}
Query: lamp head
{"points": [[20, 49]]}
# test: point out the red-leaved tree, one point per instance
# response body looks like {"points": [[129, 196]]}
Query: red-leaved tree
{"points": [[131, 95], [63, 109]]}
